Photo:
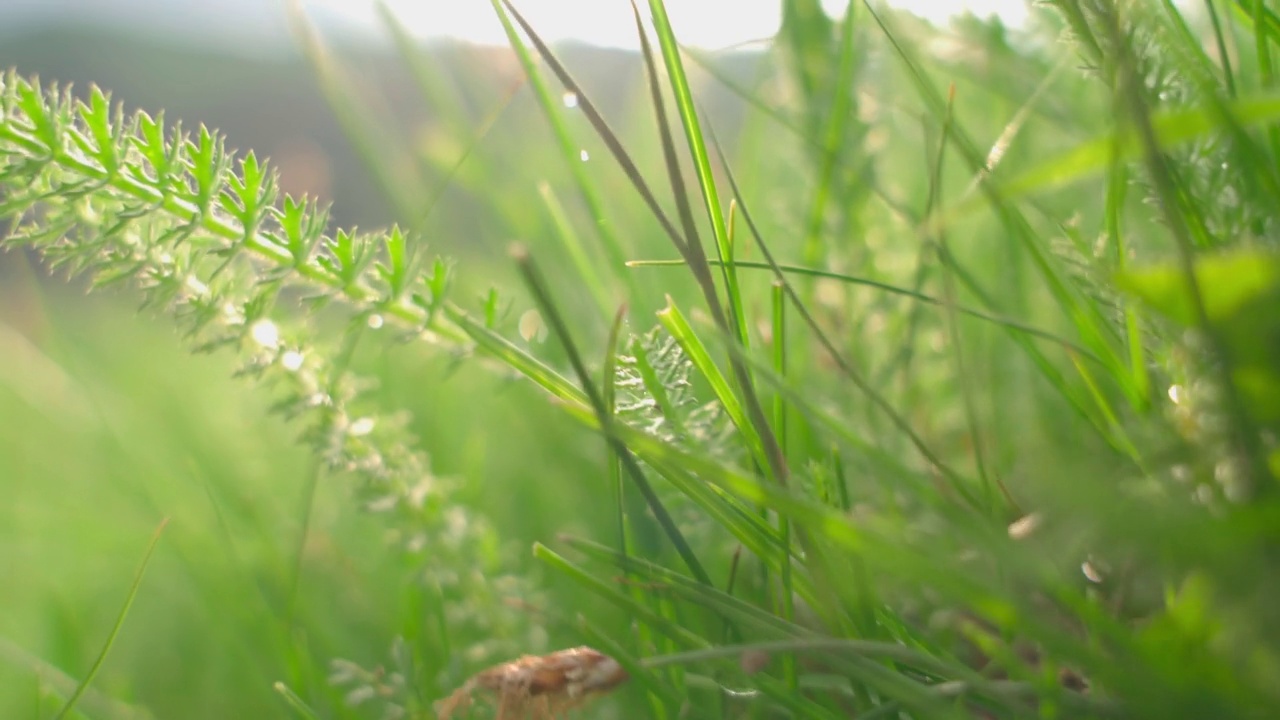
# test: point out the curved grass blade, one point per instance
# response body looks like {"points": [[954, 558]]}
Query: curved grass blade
{"points": [[96, 704], [610, 395], [1009, 323], [777, 463], [1171, 127], [115, 629]]}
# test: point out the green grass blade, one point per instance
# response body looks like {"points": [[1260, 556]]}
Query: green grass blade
{"points": [[608, 592], [839, 118], [551, 106], [498, 347], [1171, 128], [701, 162], [676, 324], [1004, 322], [611, 141], [666, 699], [683, 470], [734, 321], [295, 703], [115, 629], [853, 375], [577, 252], [93, 703], [690, 246], [541, 292]]}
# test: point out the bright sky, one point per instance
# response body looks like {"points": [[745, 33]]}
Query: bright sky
{"points": [[709, 24]]}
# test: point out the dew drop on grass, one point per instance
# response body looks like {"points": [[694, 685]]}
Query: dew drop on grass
{"points": [[570, 99], [1090, 572], [531, 326], [584, 155], [1175, 393], [265, 333], [375, 321], [360, 427], [291, 360], [196, 287], [1024, 526]]}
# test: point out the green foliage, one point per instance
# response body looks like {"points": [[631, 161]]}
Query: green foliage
{"points": [[899, 444], [127, 202]]}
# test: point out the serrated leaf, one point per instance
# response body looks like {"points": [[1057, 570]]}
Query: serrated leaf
{"points": [[31, 102], [97, 117]]}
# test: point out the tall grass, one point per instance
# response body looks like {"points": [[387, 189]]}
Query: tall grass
{"points": [[944, 386]]}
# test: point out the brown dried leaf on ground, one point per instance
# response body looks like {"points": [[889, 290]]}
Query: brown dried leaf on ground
{"points": [[541, 687]]}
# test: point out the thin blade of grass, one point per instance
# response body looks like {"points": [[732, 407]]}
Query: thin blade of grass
{"points": [[1005, 322], [675, 631], [839, 119], [939, 242], [777, 464], [295, 703], [854, 376], [621, 600], [676, 324], [609, 393], [572, 244], [541, 292], [778, 337], [115, 628], [701, 161], [610, 242], [517, 358], [96, 704], [735, 321], [681, 469]]}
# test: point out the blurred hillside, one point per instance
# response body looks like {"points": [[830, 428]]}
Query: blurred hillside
{"points": [[270, 102]]}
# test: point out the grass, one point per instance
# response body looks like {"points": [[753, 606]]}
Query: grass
{"points": [[966, 405]]}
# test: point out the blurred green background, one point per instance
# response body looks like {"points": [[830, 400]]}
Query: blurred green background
{"points": [[114, 425], [267, 569]]}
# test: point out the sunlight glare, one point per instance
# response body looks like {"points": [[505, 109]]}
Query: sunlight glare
{"points": [[709, 24]]}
